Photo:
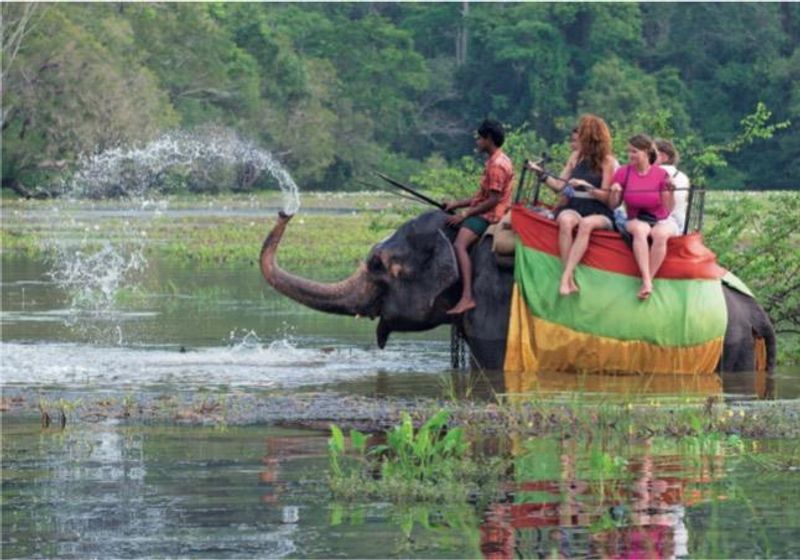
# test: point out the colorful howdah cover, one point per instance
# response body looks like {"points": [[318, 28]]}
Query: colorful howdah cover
{"points": [[605, 328]]}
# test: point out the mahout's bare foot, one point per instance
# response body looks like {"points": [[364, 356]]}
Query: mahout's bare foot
{"points": [[645, 291], [462, 306]]}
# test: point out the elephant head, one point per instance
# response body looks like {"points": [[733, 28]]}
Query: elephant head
{"points": [[408, 280]]}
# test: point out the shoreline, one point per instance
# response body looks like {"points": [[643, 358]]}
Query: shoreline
{"points": [[524, 415]]}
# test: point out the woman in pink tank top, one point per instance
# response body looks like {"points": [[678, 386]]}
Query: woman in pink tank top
{"points": [[647, 192]]}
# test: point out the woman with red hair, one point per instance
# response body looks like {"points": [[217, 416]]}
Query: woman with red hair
{"points": [[589, 172]]}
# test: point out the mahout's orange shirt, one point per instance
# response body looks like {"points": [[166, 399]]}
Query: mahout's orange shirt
{"points": [[497, 177]]}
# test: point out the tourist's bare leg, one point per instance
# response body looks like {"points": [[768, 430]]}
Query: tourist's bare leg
{"points": [[641, 252], [567, 222], [585, 228], [660, 233]]}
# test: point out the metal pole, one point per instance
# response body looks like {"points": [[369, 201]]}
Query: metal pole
{"points": [[702, 210], [688, 210], [521, 184], [536, 191]]}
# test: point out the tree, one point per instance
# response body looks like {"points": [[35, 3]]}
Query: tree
{"points": [[65, 97], [17, 23], [208, 78], [336, 89], [617, 90]]}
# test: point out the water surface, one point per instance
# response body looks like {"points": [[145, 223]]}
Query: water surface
{"points": [[117, 490], [110, 486]]}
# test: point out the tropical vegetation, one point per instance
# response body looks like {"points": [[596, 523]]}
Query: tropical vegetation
{"points": [[338, 89]]}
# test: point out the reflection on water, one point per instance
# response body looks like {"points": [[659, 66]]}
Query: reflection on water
{"points": [[113, 490], [520, 386], [577, 502], [123, 492]]}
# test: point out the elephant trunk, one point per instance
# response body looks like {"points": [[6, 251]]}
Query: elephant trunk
{"points": [[356, 295]]}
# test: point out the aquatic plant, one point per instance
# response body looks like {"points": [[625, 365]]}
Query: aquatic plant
{"points": [[429, 463], [43, 405], [63, 406], [425, 455]]}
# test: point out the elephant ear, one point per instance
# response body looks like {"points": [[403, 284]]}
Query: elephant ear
{"points": [[439, 268]]}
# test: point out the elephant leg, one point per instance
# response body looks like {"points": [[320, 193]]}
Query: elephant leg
{"points": [[486, 326]]}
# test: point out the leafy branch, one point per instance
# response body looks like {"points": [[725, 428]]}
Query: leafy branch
{"points": [[703, 158]]}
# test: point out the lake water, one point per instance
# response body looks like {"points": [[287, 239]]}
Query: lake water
{"points": [[116, 490], [110, 487]]}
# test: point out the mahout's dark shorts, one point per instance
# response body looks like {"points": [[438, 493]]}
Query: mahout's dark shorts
{"points": [[476, 225]]}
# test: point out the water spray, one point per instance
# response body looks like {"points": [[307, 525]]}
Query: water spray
{"points": [[137, 171], [92, 276]]}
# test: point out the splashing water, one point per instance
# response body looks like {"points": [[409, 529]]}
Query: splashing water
{"points": [[137, 171], [93, 278], [244, 340]]}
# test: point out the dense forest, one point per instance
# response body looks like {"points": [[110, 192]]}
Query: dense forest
{"points": [[337, 89]]}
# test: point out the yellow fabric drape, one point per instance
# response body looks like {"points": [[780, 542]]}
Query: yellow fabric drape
{"points": [[537, 345]]}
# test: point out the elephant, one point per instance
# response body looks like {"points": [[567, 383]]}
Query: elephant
{"points": [[409, 280]]}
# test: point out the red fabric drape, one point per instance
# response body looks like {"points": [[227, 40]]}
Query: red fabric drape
{"points": [[687, 257]]}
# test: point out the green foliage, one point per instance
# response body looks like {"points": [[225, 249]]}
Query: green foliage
{"points": [[523, 143], [337, 90], [617, 89], [65, 95], [423, 456], [704, 158], [325, 246], [658, 124], [462, 180], [449, 182], [336, 449], [755, 236], [429, 463]]}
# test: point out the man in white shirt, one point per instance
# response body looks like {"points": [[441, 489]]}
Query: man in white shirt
{"points": [[667, 158]]}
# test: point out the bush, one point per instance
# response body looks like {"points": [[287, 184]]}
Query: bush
{"points": [[757, 237]]}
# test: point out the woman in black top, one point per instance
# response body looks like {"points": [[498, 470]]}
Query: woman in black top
{"points": [[589, 172]]}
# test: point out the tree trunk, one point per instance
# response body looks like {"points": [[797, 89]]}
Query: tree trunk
{"points": [[16, 185], [462, 36]]}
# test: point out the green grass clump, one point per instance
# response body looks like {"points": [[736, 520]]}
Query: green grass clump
{"points": [[427, 464]]}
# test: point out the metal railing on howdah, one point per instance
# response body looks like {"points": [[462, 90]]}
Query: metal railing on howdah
{"points": [[531, 183], [695, 208]]}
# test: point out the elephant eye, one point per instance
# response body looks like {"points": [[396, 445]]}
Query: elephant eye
{"points": [[375, 264]]}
